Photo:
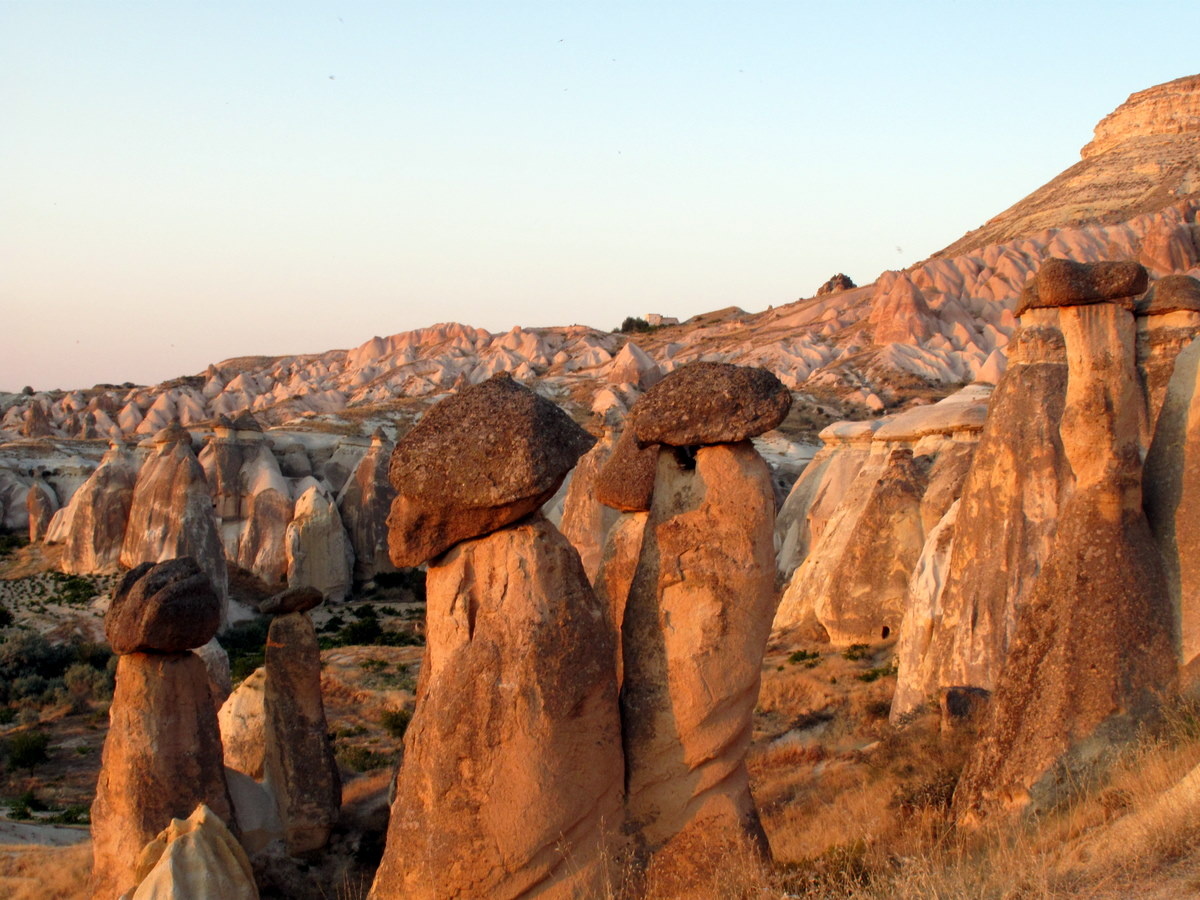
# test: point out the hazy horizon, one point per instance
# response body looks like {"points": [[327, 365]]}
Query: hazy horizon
{"points": [[195, 182]]}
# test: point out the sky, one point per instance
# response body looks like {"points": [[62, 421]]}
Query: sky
{"points": [[182, 183]]}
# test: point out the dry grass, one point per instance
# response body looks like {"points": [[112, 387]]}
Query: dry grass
{"points": [[39, 873]]}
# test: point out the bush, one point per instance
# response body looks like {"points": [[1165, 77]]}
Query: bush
{"points": [[395, 721], [632, 324], [360, 759], [83, 683], [12, 540], [27, 749], [856, 651], [73, 590], [246, 644], [810, 659]]}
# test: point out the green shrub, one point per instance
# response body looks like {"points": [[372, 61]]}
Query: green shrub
{"points": [[395, 721], [27, 749], [810, 659], [856, 651], [876, 673], [361, 759], [12, 540], [73, 590], [246, 644]]}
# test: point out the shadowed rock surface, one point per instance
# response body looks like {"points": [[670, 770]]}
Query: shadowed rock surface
{"points": [[364, 504], [710, 403], [167, 607], [298, 761], [512, 776], [485, 457], [694, 631], [585, 519]]}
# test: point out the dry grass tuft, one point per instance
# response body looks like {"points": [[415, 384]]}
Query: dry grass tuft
{"points": [[38, 873]]}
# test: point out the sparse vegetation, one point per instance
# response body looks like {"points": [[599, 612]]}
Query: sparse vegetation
{"points": [[633, 325], [245, 643], [27, 749], [810, 659], [395, 721], [11, 541]]}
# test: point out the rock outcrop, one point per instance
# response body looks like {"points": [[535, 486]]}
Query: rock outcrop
{"points": [[171, 513], [693, 634], [318, 551], [298, 762], [194, 859], [1092, 653], [94, 521], [585, 519], [512, 776], [449, 485], [242, 723], [364, 503], [41, 504]]}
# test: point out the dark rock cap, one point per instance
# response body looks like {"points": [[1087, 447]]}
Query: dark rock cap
{"points": [[482, 458], [245, 421], [297, 599], [166, 607], [626, 481], [173, 434], [710, 403], [1061, 282], [1171, 293]]}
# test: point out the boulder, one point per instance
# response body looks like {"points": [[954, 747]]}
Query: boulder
{"points": [[625, 482], [165, 608], [196, 858], [488, 455], [299, 599], [1092, 653], [298, 761], [693, 635], [257, 813], [710, 403], [512, 776], [1063, 282], [162, 757]]}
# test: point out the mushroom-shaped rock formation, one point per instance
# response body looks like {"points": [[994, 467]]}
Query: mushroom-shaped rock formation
{"points": [[162, 757], [694, 630], [1062, 282], [512, 776], [297, 599], [710, 403], [1092, 652], [165, 608], [483, 458]]}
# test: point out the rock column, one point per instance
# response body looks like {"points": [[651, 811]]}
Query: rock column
{"points": [[162, 755]]}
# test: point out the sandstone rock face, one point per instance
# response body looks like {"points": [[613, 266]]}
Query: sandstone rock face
{"points": [[517, 690], [171, 513], [710, 403], [165, 608], [298, 763], [1093, 651], [266, 510], [364, 504], [614, 577], [1168, 320], [819, 490], [193, 859], [922, 614], [41, 503], [242, 723], [161, 758], [483, 458], [858, 585], [1010, 507], [98, 513], [693, 636], [585, 519], [1172, 499], [1166, 109], [318, 552]]}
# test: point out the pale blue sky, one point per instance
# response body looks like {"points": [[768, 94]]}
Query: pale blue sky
{"points": [[186, 182]]}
